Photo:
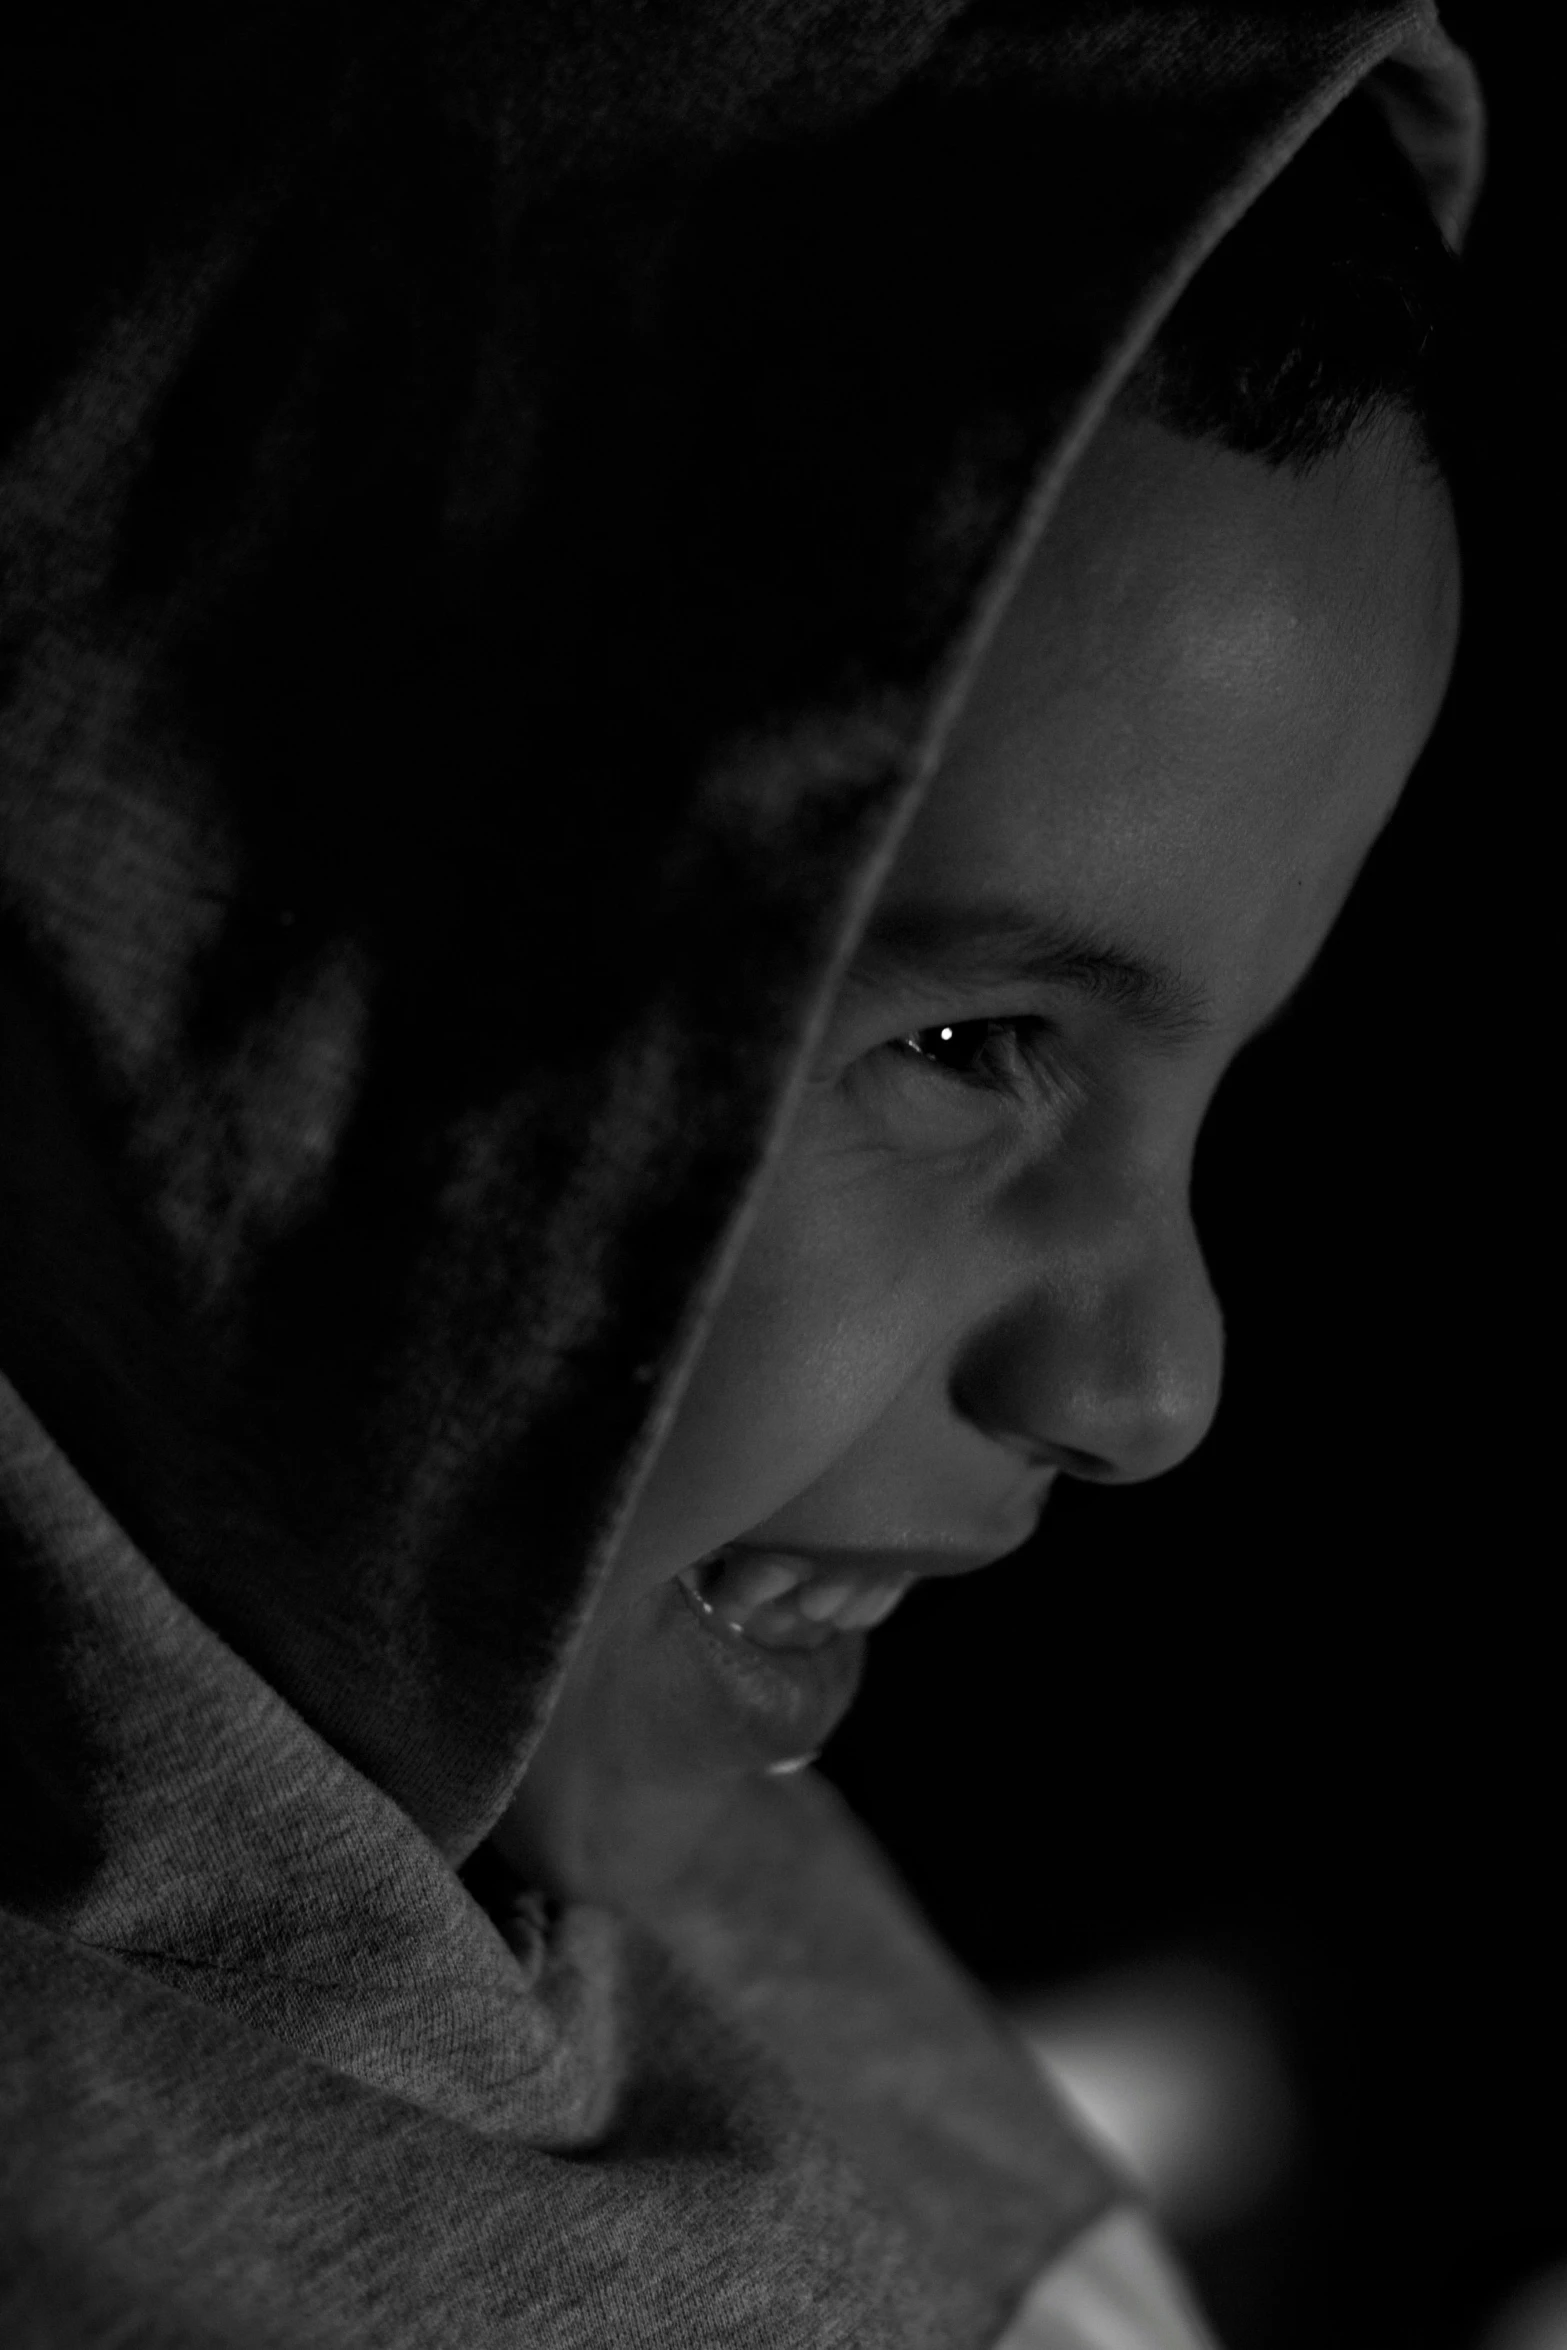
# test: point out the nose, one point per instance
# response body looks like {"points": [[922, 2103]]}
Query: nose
{"points": [[1107, 1359]]}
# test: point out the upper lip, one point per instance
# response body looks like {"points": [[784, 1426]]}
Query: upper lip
{"points": [[883, 1566]]}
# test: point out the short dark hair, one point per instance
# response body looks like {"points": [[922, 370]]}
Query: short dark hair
{"points": [[1330, 303]]}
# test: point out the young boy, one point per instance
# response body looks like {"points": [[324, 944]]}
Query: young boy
{"points": [[973, 1269], [445, 1494]]}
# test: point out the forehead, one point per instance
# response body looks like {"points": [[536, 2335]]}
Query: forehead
{"points": [[1200, 705]]}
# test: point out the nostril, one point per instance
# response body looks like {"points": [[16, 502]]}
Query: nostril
{"points": [[1091, 1466], [1067, 1460]]}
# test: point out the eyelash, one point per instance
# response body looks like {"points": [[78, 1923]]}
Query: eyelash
{"points": [[1024, 1066]]}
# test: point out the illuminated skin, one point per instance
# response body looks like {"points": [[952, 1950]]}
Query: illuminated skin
{"points": [[974, 1267]]}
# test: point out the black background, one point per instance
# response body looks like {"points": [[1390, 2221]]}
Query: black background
{"points": [[1295, 1709]]}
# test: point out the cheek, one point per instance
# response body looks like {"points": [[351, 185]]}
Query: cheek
{"points": [[830, 1309]]}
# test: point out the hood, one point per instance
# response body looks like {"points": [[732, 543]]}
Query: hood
{"points": [[500, 509]]}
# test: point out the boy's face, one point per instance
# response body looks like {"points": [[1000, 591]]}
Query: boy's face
{"points": [[974, 1268]]}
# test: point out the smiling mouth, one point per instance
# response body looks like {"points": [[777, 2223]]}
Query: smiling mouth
{"points": [[778, 1638], [776, 1601]]}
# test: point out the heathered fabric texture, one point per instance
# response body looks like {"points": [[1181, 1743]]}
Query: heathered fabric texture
{"points": [[500, 506], [269, 2065]]}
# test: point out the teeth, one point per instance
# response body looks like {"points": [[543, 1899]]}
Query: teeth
{"points": [[873, 1607], [737, 1587], [825, 1602], [765, 1595], [850, 1606]]}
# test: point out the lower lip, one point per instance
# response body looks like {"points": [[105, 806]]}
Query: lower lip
{"points": [[782, 1704]]}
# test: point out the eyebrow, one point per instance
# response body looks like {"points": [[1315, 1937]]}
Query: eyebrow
{"points": [[990, 943]]}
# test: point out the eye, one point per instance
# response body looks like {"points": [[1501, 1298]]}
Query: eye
{"points": [[999, 1053]]}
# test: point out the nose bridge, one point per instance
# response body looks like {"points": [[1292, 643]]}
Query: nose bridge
{"points": [[1107, 1355]]}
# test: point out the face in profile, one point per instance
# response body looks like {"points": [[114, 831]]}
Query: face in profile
{"points": [[974, 1270]]}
